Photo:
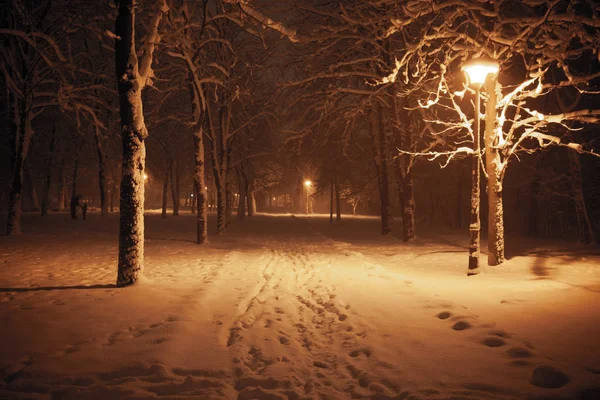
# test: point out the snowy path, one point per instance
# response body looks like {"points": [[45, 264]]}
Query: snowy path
{"points": [[288, 308]]}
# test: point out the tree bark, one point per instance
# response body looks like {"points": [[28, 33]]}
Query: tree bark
{"points": [[338, 210], [61, 185], [175, 187], [165, 191], [74, 203], [241, 211], [48, 177], [219, 151], [404, 177], [229, 190], [493, 165], [250, 199], [201, 203], [19, 142], [408, 205], [221, 207], [380, 148], [331, 202], [101, 173], [13, 225], [131, 77], [114, 190]]}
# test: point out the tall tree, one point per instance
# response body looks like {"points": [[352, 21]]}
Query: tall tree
{"points": [[133, 69]]}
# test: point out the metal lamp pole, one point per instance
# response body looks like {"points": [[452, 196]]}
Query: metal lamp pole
{"points": [[475, 223], [477, 71]]}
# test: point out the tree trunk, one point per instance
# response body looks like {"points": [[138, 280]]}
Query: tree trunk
{"points": [[338, 210], [201, 198], [13, 225], [221, 207], [408, 206], [19, 142], [404, 178], [493, 165], [101, 174], [241, 211], [175, 187], [114, 191], [406, 193], [380, 147], [131, 80], [61, 186], [193, 201], [331, 202], [48, 177], [229, 190], [585, 231], [165, 191], [250, 200], [74, 203]]}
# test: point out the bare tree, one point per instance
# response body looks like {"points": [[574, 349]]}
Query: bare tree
{"points": [[552, 36], [133, 72]]}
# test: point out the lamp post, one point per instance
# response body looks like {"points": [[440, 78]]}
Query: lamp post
{"points": [[476, 70], [307, 184]]}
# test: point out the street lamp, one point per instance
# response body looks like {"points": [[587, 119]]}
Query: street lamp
{"points": [[145, 177], [477, 70], [307, 184]]}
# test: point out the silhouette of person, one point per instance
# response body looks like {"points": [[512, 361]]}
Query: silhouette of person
{"points": [[75, 199]]}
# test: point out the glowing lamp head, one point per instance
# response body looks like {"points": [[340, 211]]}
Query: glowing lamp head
{"points": [[478, 69], [307, 183], [145, 177]]}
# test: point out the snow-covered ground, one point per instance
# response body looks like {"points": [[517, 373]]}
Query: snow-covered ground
{"points": [[285, 307]]}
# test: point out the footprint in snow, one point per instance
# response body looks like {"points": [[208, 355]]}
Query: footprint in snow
{"points": [[356, 353], [519, 352], [493, 342], [461, 326], [444, 315]]}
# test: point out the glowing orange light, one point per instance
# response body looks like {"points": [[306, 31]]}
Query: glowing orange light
{"points": [[478, 69]]}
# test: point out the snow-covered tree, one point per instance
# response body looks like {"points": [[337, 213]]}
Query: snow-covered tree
{"points": [[541, 47], [133, 73]]}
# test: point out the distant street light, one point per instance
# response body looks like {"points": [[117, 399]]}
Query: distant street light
{"points": [[307, 184], [145, 177], [477, 71]]}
